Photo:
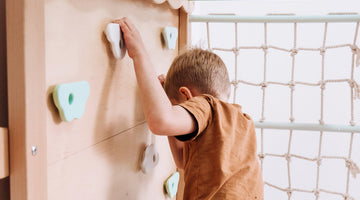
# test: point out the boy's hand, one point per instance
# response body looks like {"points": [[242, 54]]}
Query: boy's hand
{"points": [[133, 41], [172, 120], [161, 78]]}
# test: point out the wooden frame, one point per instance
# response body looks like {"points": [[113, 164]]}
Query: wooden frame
{"points": [[27, 98], [184, 30]]}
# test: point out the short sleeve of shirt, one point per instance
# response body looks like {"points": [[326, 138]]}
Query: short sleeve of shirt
{"points": [[200, 107]]}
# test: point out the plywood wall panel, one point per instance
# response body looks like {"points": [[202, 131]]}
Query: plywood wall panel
{"points": [[110, 170], [97, 156], [76, 50]]}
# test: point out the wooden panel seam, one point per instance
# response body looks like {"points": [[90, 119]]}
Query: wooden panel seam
{"points": [[95, 144]]}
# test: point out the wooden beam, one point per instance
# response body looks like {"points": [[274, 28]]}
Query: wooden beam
{"points": [[184, 30], [184, 43], [26, 98], [4, 153]]}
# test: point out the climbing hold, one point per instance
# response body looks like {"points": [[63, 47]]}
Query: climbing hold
{"points": [[170, 35], [150, 159], [70, 99], [171, 184], [114, 36]]}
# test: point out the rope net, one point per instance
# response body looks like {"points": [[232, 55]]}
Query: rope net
{"points": [[290, 189]]}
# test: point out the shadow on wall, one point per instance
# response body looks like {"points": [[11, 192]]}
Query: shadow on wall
{"points": [[120, 186], [119, 161], [4, 189], [3, 71]]}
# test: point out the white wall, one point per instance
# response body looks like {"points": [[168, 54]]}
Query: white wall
{"points": [[333, 173]]}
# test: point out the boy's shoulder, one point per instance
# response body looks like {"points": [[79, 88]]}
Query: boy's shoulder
{"points": [[214, 102], [218, 107], [209, 111]]}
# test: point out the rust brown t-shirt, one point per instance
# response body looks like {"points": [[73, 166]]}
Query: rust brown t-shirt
{"points": [[220, 157]]}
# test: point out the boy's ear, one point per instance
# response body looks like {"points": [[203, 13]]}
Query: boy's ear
{"points": [[185, 92]]}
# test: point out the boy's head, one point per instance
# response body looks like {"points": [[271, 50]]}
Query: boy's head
{"points": [[198, 70]]}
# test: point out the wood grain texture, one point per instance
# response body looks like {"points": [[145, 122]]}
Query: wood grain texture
{"points": [[77, 50], [184, 30], [27, 98], [97, 156], [111, 170]]}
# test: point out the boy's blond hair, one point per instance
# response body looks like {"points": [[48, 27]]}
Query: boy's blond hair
{"points": [[200, 69]]}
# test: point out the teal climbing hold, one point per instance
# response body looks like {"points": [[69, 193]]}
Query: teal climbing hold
{"points": [[70, 99], [171, 184], [170, 35]]}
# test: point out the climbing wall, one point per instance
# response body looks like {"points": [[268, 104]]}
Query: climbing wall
{"points": [[98, 156]]}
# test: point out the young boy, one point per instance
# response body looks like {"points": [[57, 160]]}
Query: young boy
{"points": [[213, 141]]}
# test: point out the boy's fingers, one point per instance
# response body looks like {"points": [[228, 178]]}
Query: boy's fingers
{"points": [[116, 21], [124, 26], [161, 79], [130, 25]]}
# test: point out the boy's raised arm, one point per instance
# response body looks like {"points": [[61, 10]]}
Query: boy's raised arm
{"points": [[162, 117]]}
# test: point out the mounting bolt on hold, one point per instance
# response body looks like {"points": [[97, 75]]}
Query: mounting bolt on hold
{"points": [[34, 150]]}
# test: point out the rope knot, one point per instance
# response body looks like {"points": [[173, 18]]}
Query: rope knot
{"points": [[236, 51], [318, 161], [316, 193], [322, 85], [291, 85], [287, 157], [356, 50], [261, 156], [354, 169], [347, 197], [321, 122], [235, 84], [322, 51], [292, 119], [263, 85], [294, 52], [353, 84], [289, 191], [352, 123], [265, 48]]}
